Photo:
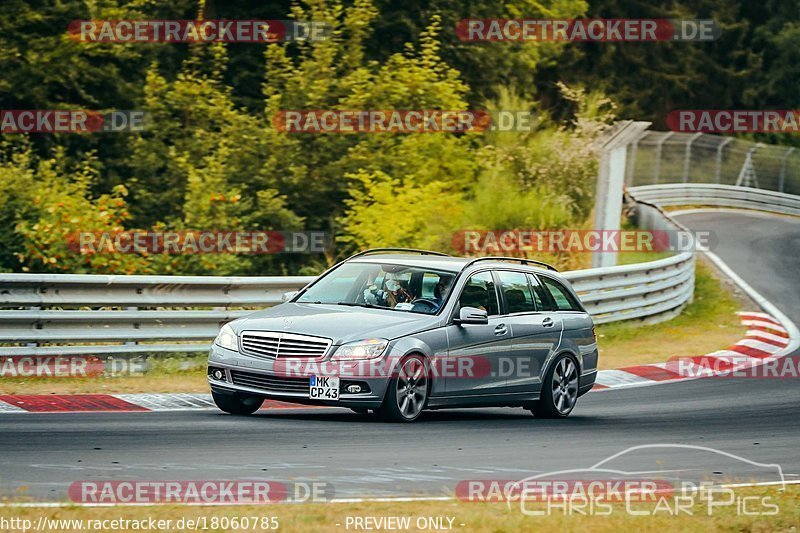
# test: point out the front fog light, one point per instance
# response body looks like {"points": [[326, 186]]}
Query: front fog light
{"points": [[227, 338], [218, 374]]}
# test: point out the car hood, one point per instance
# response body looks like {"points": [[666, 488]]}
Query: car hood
{"points": [[340, 323]]}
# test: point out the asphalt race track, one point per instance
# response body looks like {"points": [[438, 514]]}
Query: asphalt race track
{"points": [[763, 249], [755, 419]]}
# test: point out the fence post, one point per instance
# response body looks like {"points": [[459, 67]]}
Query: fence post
{"points": [[657, 165], [718, 172], [782, 177], [632, 166], [687, 156], [747, 176], [610, 181]]}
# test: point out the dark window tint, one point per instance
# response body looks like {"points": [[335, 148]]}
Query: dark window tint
{"points": [[479, 292], [516, 292], [562, 298]]}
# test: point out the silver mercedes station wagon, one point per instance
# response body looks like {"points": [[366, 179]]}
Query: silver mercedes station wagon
{"points": [[397, 331]]}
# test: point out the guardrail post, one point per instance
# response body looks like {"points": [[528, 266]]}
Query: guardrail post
{"points": [[687, 156], [782, 176], [610, 180], [131, 343], [33, 344]]}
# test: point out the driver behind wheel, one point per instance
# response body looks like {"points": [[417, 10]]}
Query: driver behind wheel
{"points": [[396, 292]]}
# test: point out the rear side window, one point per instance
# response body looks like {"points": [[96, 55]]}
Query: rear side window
{"points": [[562, 298], [538, 293], [516, 292], [479, 292]]}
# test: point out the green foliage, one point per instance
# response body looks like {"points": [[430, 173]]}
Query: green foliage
{"points": [[59, 210], [386, 211], [485, 67], [753, 64], [211, 157], [537, 180]]}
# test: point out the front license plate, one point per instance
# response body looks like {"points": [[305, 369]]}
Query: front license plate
{"points": [[323, 388]]}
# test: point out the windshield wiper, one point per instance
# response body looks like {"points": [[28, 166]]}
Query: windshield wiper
{"points": [[356, 304], [350, 304], [372, 306]]}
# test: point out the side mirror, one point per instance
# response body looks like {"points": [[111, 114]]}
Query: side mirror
{"points": [[288, 296], [471, 315]]}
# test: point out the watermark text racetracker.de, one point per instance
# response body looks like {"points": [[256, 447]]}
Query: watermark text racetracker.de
{"points": [[734, 121], [197, 242], [586, 30], [643, 480], [326, 121], [458, 367], [580, 240], [199, 492], [71, 121], [70, 366], [605, 497], [735, 367], [197, 31]]}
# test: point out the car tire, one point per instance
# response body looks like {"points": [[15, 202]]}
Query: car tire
{"points": [[408, 391], [236, 404], [559, 389]]}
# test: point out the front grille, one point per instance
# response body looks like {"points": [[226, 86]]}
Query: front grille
{"points": [[269, 383], [271, 345]]}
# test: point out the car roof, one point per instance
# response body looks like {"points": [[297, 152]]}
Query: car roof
{"points": [[446, 263]]}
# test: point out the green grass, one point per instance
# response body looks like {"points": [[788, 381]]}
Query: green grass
{"points": [[475, 516], [707, 324], [631, 258]]}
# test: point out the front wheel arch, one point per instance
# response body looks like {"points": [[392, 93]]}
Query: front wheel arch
{"points": [[389, 409]]}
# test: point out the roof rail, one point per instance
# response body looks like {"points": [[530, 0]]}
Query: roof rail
{"points": [[512, 259], [403, 250]]}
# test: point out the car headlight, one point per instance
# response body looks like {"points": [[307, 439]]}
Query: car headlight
{"points": [[227, 338], [366, 349]]}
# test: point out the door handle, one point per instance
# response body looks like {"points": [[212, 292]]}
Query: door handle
{"points": [[501, 330], [547, 322]]}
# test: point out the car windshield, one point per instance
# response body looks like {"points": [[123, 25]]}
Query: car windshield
{"points": [[402, 288]]}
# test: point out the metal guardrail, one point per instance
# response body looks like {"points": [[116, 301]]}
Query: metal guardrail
{"points": [[718, 195], [655, 289], [70, 314], [55, 290]]}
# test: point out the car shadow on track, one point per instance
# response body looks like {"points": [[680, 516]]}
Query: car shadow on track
{"points": [[444, 416]]}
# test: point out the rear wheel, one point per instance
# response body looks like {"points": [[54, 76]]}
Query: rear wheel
{"points": [[559, 390], [408, 391], [236, 404]]}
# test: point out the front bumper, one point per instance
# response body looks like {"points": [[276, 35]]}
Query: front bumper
{"points": [[256, 376]]}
